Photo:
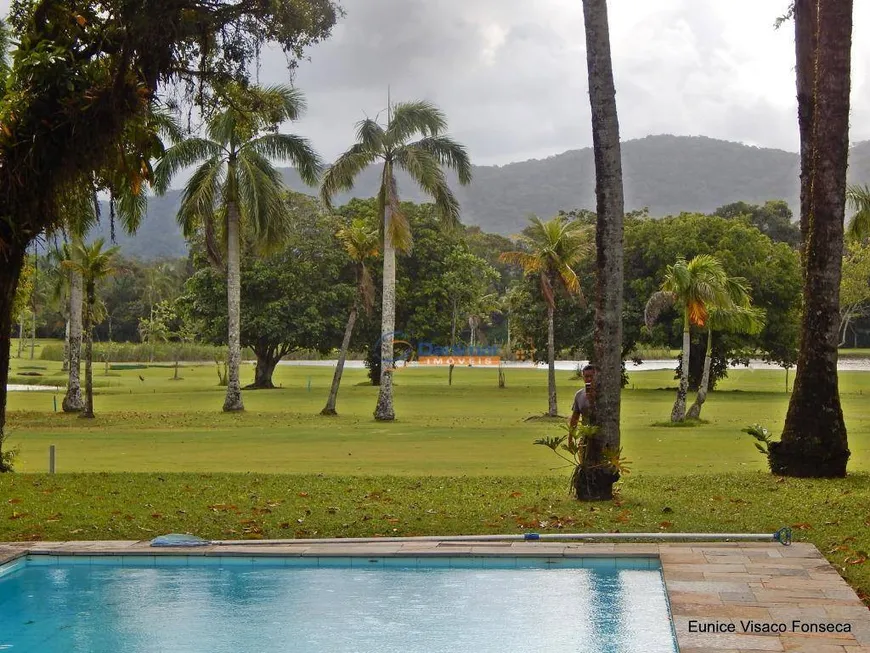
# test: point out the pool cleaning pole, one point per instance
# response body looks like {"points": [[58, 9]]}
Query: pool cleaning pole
{"points": [[783, 536]]}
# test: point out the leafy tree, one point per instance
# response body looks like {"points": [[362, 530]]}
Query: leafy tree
{"points": [[424, 161], [773, 219], [772, 270], [694, 288], [94, 264], [467, 280], [360, 240], [854, 286], [288, 299], [236, 188], [814, 440], [83, 70], [551, 250]]}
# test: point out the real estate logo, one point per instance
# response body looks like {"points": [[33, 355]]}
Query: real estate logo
{"points": [[428, 353]]}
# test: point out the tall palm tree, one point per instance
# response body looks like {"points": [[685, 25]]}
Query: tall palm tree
{"points": [[93, 263], [361, 241], [424, 161], [859, 199], [236, 187], [814, 439], [552, 249], [595, 480], [693, 287], [739, 316]]}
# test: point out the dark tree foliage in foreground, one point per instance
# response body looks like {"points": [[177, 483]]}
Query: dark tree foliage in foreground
{"points": [[85, 71]]}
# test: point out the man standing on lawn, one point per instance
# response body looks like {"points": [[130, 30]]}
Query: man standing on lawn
{"points": [[583, 400]]}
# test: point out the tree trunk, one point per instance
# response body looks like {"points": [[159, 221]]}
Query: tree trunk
{"points": [[65, 367], [384, 410], [32, 333], [329, 409], [452, 344], [21, 335], [233, 401], [266, 363], [678, 414], [814, 441], [552, 408], [695, 410], [596, 478], [11, 264], [72, 401], [88, 329], [508, 353]]}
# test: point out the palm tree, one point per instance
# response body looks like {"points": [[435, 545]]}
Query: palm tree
{"points": [[236, 187], [424, 160], [814, 439], [595, 480], [552, 249], [361, 241], [159, 284], [859, 225], [694, 287], [93, 263], [737, 317]]}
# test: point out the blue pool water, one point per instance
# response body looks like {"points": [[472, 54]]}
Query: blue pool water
{"points": [[199, 605]]}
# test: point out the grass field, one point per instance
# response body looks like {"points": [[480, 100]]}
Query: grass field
{"points": [[471, 428], [459, 459]]}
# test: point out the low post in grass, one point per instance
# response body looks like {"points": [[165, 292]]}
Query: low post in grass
{"points": [[51, 459]]}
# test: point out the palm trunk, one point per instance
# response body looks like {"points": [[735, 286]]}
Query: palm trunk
{"points": [[695, 410], [329, 409], [384, 410], [814, 441], [21, 335], [88, 410], [452, 344], [508, 352], [552, 409], [596, 478], [678, 414], [233, 401], [65, 367], [32, 333], [11, 264], [72, 401]]}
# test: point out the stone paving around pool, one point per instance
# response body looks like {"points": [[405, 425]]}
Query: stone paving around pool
{"points": [[724, 597]]}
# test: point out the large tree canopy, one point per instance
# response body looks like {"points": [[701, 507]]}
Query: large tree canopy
{"points": [[81, 88]]}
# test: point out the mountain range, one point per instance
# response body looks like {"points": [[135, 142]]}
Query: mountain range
{"points": [[666, 174]]}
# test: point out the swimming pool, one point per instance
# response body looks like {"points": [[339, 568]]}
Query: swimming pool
{"points": [[222, 604]]}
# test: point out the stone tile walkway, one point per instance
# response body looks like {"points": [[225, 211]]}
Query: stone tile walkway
{"points": [[724, 597]]}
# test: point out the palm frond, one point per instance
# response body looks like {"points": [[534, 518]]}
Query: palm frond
{"points": [[400, 228], [424, 168], [412, 118], [183, 155], [287, 147], [261, 201], [656, 304], [858, 198], [370, 135], [341, 174], [448, 153]]}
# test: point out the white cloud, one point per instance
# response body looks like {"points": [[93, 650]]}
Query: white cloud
{"points": [[511, 74]]}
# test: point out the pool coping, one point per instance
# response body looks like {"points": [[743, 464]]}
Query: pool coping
{"points": [[710, 586]]}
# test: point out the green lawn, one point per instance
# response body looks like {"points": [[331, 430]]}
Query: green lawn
{"points": [[471, 428], [459, 459]]}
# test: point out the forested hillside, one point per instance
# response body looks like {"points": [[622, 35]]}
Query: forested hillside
{"points": [[668, 174]]}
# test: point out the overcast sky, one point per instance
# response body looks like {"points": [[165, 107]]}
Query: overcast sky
{"points": [[511, 74]]}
